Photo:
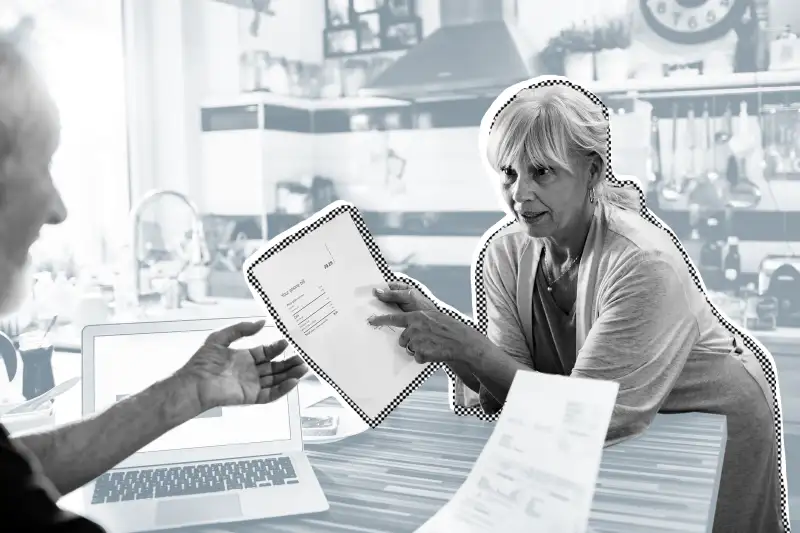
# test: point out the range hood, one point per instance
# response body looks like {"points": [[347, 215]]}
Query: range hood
{"points": [[479, 50]]}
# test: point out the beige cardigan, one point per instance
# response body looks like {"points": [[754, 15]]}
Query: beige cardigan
{"points": [[639, 315]]}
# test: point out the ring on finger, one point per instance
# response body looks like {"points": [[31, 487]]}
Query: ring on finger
{"points": [[411, 352]]}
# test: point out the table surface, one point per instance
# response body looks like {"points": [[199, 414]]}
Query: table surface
{"points": [[395, 477]]}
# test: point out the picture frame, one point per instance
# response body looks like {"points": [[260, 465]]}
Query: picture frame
{"points": [[370, 32], [367, 6], [338, 13], [400, 9], [340, 41], [402, 34]]}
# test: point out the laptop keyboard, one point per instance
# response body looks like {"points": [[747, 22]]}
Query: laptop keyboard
{"points": [[204, 478]]}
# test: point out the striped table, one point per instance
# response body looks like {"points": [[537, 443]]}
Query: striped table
{"points": [[392, 479]]}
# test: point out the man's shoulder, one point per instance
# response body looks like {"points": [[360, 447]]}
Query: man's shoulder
{"points": [[32, 508]]}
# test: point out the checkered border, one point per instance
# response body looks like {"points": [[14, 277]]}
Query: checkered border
{"points": [[479, 296], [333, 211]]}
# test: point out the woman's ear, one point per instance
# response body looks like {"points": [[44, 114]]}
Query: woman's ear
{"points": [[596, 169]]}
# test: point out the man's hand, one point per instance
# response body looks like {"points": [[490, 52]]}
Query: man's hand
{"points": [[223, 376], [217, 375]]}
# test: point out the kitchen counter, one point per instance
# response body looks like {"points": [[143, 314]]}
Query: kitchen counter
{"points": [[67, 338]]}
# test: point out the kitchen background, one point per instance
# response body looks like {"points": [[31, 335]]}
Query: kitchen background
{"points": [[194, 129]]}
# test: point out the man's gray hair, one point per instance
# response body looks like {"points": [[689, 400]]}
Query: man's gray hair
{"points": [[25, 105]]}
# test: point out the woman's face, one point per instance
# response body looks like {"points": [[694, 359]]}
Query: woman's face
{"points": [[548, 202]]}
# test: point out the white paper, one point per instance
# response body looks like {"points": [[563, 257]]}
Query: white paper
{"points": [[321, 286], [539, 468]]}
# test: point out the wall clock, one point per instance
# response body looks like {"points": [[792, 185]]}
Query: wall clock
{"points": [[691, 22]]}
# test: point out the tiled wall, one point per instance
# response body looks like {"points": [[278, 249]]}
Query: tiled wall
{"points": [[445, 195]]}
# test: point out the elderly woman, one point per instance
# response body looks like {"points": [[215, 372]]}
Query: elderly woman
{"points": [[583, 285]]}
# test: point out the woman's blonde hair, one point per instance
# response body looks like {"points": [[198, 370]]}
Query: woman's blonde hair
{"points": [[547, 126]]}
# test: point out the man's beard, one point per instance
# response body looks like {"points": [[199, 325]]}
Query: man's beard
{"points": [[15, 285]]}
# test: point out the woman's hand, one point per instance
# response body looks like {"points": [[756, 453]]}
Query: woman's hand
{"points": [[429, 335], [407, 298]]}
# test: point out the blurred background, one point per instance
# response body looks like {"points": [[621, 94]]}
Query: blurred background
{"points": [[193, 130]]}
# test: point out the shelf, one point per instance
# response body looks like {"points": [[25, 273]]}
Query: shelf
{"points": [[308, 104], [689, 86]]}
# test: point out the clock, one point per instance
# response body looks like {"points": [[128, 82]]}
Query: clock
{"points": [[692, 22]]}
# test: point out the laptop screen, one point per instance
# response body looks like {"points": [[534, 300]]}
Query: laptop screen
{"points": [[127, 364]]}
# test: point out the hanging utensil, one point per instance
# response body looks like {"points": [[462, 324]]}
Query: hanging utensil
{"points": [[670, 190], [654, 158], [690, 178], [744, 193], [726, 132], [704, 191], [772, 156], [654, 163]]}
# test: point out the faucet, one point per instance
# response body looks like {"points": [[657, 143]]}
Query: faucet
{"points": [[197, 229]]}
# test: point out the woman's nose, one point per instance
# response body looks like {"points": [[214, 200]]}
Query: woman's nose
{"points": [[522, 191]]}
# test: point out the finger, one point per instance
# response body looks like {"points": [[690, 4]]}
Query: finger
{"points": [[263, 354], [231, 334], [396, 296], [404, 338], [268, 395], [399, 320], [420, 356], [273, 380], [277, 367]]}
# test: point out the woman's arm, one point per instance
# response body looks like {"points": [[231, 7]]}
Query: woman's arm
{"points": [[495, 370], [497, 362], [463, 372], [644, 333]]}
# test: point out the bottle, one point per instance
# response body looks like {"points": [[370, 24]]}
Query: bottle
{"points": [[751, 298], [711, 254], [732, 265]]}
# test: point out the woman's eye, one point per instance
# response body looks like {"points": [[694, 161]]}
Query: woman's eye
{"points": [[508, 173]]}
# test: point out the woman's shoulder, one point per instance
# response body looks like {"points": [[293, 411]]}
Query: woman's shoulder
{"points": [[506, 240], [633, 236], [502, 247]]}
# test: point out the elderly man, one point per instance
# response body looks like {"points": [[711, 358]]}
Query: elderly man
{"points": [[35, 469]]}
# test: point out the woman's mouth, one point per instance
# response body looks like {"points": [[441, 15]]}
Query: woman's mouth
{"points": [[531, 217]]}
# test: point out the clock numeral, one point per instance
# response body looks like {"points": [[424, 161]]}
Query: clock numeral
{"points": [[692, 22], [711, 16], [661, 8], [677, 17], [725, 3]]}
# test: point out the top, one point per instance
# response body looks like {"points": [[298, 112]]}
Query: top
{"points": [[553, 331]]}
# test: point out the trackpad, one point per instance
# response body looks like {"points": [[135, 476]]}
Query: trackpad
{"points": [[198, 510]]}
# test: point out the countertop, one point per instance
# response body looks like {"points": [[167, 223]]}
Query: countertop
{"points": [[67, 338]]}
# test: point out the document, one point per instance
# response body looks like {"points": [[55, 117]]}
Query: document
{"points": [[319, 287], [539, 468]]}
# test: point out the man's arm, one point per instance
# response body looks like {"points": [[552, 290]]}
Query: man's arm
{"points": [[75, 454]]}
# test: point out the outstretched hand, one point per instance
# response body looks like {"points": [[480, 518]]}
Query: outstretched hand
{"points": [[225, 376]]}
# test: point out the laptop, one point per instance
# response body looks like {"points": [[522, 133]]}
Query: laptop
{"points": [[227, 465]]}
